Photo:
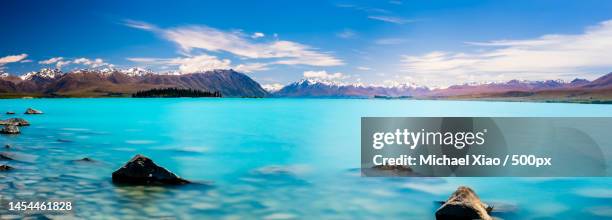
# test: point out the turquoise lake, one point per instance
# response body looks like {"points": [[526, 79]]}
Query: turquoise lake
{"points": [[260, 159]]}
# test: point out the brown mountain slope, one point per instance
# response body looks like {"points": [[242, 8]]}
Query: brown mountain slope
{"points": [[95, 83]]}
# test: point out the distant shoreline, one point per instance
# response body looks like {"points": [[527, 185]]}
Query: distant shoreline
{"points": [[453, 98]]}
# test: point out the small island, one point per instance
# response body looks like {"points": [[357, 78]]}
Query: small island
{"points": [[174, 93]]}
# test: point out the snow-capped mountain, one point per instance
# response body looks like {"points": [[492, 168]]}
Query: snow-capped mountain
{"points": [[323, 88], [172, 73], [272, 87], [3, 74], [109, 81], [136, 71], [104, 71], [96, 82], [44, 74], [132, 72], [509, 86]]}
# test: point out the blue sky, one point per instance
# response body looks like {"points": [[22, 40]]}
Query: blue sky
{"points": [[434, 43]]}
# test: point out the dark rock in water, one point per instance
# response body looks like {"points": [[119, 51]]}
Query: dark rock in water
{"points": [[64, 140], [463, 204], [10, 129], [393, 167], [5, 168], [85, 159], [31, 111], [10, 113], [37, 216], [5, 157], [15, 121], [7, 146], [141, 170], [390, 170]]}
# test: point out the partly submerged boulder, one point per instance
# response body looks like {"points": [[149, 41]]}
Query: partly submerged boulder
{"points": [[15, 121], [389, 170], [10, 113], [399, 168], [463, 204], [141, 170], [5, 167], [4, 156], [85, 159], [10, 129], [31, 111]]}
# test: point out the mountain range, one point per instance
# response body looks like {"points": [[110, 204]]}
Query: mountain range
{"points": [[577, 90], [116, 82], [321, 88]]}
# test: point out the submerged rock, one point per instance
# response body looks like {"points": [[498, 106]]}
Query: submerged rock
{"points": [[84, 159], [15, 121], [31, 111], [390, 170], [401, 168], [10, 113], [5, 157], [7, 146], [5, 167], [463, 204], [141, 170], [10, 129]]}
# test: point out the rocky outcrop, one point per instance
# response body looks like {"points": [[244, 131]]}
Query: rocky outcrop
{"points": [[31, 111], [10, 113], [10, 129], [15, 121], [141, 170], [463, 204], [5, 167]]}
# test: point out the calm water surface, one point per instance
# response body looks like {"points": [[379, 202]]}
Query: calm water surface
{"points": [[260, 159]]}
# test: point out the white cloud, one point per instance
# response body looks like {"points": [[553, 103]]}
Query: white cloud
{"points": [[140, 25], [364, 68], [61, 62], [58, 61], [12, 59], [346, 34], [257, 35], [200, 63], [324, 75], [389, 19], [92, 63], [546, 57], [364, 9], [251, 67], [272, 87], [51, 60], [189, 38]]}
